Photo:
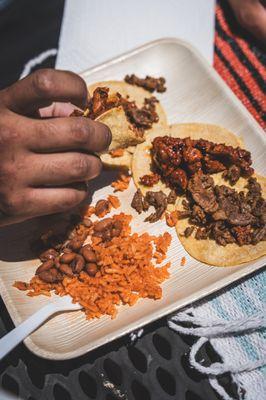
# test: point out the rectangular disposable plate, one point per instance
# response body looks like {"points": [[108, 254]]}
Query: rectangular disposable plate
{"points": [[195, 93]]}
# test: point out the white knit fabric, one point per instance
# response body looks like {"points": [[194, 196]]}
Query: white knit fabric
{"points": [[234, 322]]}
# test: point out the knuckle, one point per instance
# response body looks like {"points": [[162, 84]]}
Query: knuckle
{"points": [[8, 134], [11, 203], [80, 168], [43, 81], [8, 173]]}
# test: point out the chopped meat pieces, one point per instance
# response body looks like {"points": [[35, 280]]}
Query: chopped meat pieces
{"points": [[137, 202], [201, 188], [232, 174], [141, 118], [101, 102], [149, 179], [176, 160], [213, 166], [188, 231], [159, 201], [149, 83], [241, 219], [242, 234], [223, 214], [198, 216], [222, 234], [171, 198], [201, 234], [259, 235], [184, 214], [219, 215], [218, 212]]}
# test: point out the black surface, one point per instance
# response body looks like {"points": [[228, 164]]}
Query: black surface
{"points": [[155, 367], [27, 28]]}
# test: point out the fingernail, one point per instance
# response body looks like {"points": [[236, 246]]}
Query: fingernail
{"points": [[108, 136]]}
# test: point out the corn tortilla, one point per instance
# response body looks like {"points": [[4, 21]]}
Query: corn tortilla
{"points": [[122, 131], [207, 251]]}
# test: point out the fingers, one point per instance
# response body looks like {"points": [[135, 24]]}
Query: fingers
{"points": [[251, 14], [72, 133], [42, 88], [54, 200], [62, 168]]}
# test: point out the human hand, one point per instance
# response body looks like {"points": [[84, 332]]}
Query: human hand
{"points": [[251, 14], [45, 162]]}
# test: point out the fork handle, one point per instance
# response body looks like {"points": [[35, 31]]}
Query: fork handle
{"points": [[13, 338]]}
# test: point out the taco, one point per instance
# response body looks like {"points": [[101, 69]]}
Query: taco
{"points": [[131, 113], [221, 203]]}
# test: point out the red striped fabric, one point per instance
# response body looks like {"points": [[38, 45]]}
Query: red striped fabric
{"points": [[240, 63]]}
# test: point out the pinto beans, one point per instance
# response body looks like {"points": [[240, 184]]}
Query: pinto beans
{"points": [[75, 244], [87, 222], [91, 269], [67, 258], [51, 276], [102, 207], [66, 250], [78, 264], [66, 269], [45, 266], [48, 255], [102, 225], [88, 253]]}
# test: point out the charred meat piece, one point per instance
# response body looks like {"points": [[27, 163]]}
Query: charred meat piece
{"points": [[149, 179], [141, 118], [101, 102], [171, 198], [137, 202], [201, 188], [191, 155], [258, 235], [222, 234], [149, 83], [159, 201], [201, 234], [178, 178], [232, 174], [242, 234], [198, 216], [212, 166], [188, 231]]}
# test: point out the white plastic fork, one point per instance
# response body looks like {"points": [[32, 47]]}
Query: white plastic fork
{"points": [[13, 338]]}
